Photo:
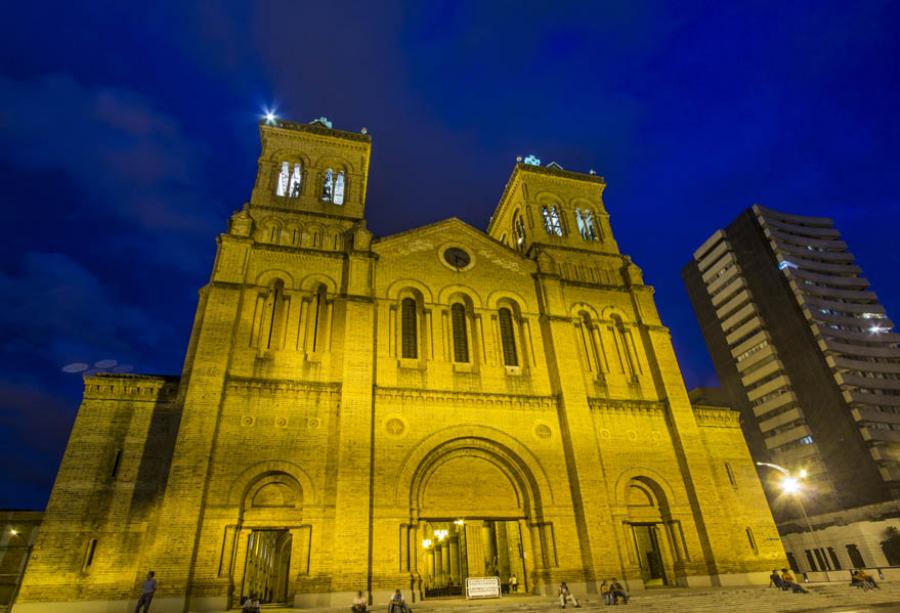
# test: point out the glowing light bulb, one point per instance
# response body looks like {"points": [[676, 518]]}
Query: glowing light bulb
{"points": [[790, 485], [270, 117]]}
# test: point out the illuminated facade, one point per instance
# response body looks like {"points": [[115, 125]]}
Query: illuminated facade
{"points": [[409, 411]]}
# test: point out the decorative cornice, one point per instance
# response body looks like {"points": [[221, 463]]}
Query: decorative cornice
{"points": [[631, 406], [141, 388], [708, 417], [315, 129], [284, 385], [415, 395]]}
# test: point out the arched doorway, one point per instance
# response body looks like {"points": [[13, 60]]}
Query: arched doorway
{"points": [[472, 504], [269, 514], [648, 514]]}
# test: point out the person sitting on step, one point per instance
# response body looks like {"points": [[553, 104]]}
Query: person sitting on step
{"points": [[617, 590], [397, 604], [775, 580], [868, 579], [565, 596], [789, 584]]}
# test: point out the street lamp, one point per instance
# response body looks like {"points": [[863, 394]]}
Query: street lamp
{"points": [[793, 485]]}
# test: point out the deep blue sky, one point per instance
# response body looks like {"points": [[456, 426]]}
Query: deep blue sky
{"points": [[128, 135]]}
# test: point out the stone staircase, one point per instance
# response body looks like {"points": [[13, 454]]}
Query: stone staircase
{"points": [[750, 599]]}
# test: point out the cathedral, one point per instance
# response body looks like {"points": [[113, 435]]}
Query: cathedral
{"points": [[407, 411]]}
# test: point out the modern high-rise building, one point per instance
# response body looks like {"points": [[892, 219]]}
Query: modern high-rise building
{"points": [[804, 349]]}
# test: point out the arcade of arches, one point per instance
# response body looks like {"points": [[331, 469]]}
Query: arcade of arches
{"points": [[362, 413]]}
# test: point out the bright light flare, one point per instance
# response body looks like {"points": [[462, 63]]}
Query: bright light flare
{"points": [[790, 485], [13, 532], [270, 116], [803, 473], [426, 543], [441, 535], [877, 330]]}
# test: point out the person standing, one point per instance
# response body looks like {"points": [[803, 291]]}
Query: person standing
{"points": [[513, 584], [146, 593]]}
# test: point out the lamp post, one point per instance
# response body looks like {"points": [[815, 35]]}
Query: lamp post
{"points": [[794, 486]]}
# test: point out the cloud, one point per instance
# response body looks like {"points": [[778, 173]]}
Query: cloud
{"points": [[130, 160], [56, 310], [36, 425]]}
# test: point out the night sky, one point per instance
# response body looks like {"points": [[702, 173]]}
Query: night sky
{"points": [[128, 135]]}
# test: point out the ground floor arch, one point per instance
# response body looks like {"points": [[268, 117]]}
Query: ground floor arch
{"points": [[650, 532], [473, 506]]}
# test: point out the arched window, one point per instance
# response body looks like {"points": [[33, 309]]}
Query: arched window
{"points": [[460, 336], [586, 226], [339, 188], [508, 338], [621, 335], [328, 186], [294, 186], [409, 329], [551, 221], [281, 188], [333, 186], [589, 344], [277, 307], [519, 231], [319, 319]]}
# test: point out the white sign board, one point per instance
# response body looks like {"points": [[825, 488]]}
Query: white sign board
{"points": [[483, 587]]}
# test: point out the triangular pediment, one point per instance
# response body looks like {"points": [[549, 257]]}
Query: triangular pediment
{"points": [[447, 232]]}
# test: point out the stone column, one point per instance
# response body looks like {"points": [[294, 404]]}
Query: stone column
{"points": [[446, 570], [454, 560], [475, 548], [503, 553]]}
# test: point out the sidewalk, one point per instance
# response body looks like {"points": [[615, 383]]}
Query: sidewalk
{"points": [[670, 600]]}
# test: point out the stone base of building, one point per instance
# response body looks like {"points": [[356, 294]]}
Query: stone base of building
{"points": [[160, 605]]}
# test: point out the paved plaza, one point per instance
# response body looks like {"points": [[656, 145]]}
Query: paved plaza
{"points": [[831, 598]]}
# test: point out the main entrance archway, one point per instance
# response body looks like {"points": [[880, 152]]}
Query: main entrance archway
{"points": [[472, 501]]}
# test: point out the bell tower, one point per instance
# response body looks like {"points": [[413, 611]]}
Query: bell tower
{"points": [[552, 207], [312, 168]]}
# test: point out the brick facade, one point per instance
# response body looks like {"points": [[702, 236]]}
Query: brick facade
{"points": [[344, 398]]}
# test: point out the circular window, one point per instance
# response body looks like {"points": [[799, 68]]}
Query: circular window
{"points": [[457, 258]]}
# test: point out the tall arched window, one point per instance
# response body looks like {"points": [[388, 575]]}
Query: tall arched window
{"points": [[409, 329], [319, 322], [551, 221], [281, 188], [586, 228], [588, 343], [328, 186], [508, 338], [339, 188], [294, 186], [277, 308], [519, 231], [460, 335], [621, 334]]}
